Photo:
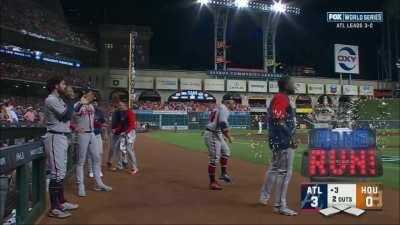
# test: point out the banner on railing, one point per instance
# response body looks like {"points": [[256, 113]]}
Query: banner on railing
{"points": [[191, 84], [236, 85], [167, 83], [144, 83], [214, 84], [258, 86], [333, 89], [350, 90]]}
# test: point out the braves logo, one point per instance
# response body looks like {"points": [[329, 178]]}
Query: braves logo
{"points": [[347, 58]]}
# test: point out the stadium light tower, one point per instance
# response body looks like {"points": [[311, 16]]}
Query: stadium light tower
{"points": [[278, 7], [242, 3], [270, 15], [203, 2]]}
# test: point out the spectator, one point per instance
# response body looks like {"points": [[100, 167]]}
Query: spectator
{"points": [[186, 106], [30, 18], [24, 71], [30, 115]]}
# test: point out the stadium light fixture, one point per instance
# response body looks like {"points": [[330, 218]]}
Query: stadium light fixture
{"points": [[242, 3], [203, 2], [278, 7]]}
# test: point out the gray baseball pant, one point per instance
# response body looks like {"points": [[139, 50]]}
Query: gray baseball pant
{"points": [[217, 147], [99, 144], [87, 142], [130, 151], [280, 172], [114, 148], [56, 147]]}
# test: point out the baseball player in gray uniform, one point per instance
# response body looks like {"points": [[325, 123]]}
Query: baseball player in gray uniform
{"points": [[281, 132], [214, 137], [85, 113], [58, 113]]}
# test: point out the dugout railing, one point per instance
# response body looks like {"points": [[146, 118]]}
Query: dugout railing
{"points": [[23, 173]]}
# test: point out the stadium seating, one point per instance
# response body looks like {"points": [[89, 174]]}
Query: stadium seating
{"points": [[39, 22], [25, 71]]}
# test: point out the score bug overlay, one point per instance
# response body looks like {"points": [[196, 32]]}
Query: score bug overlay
{"points": [[354, 20], [319, 196]]}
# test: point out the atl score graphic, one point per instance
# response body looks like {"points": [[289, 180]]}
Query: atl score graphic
{"points": [[319, 196]]}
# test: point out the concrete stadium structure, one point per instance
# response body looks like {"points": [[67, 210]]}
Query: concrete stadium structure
{"points": [[168, 82]]}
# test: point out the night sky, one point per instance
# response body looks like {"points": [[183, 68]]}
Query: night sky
{"points": [[183, 33]]}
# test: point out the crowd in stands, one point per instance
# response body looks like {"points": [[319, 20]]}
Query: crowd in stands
{"points": [[27, 16], [18, 110], [185, 106], [34, 73]]}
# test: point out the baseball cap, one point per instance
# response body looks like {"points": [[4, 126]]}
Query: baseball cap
{"points": [[228, 97]]}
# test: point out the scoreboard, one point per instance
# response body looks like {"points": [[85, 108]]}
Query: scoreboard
{"points": [[342, 153], [317, 196]]}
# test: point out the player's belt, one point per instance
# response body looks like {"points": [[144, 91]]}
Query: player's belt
{"points": [[88, 132], [60, 133], [213, 131]]}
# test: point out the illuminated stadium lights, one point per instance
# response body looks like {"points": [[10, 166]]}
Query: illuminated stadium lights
{"points": [[253, 4], [242, 3], [278, 7], [203, 2]]}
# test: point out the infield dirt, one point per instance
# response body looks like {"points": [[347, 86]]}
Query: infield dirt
{"points": [[172, 188]]}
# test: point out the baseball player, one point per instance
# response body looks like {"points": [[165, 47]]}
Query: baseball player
{"points": [[99, 120], [260, 124], [58, 113], [85, 113], [214, 136], [125, 134], [114, 138], [281, 130]]}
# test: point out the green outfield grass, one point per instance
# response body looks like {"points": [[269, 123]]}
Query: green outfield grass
{"points": [[258, 151], [380, 109]]}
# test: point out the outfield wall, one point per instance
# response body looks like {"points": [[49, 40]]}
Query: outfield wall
{"points": [[168, 120]]}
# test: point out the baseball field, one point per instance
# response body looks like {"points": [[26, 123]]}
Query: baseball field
{"points": [[172, 186], [249, 146]]}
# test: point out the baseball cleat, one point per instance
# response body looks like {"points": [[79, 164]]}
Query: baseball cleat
{"points": [[81, 191], [226, 178], [60, 214], [263, 201], [134, 171], [109, 165], [285, 211], [91, 175], [103, 188], [69, 206], [215, 186]]}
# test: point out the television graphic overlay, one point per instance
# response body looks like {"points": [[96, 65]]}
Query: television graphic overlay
{"points": [[342, 153], [342, 157]]}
